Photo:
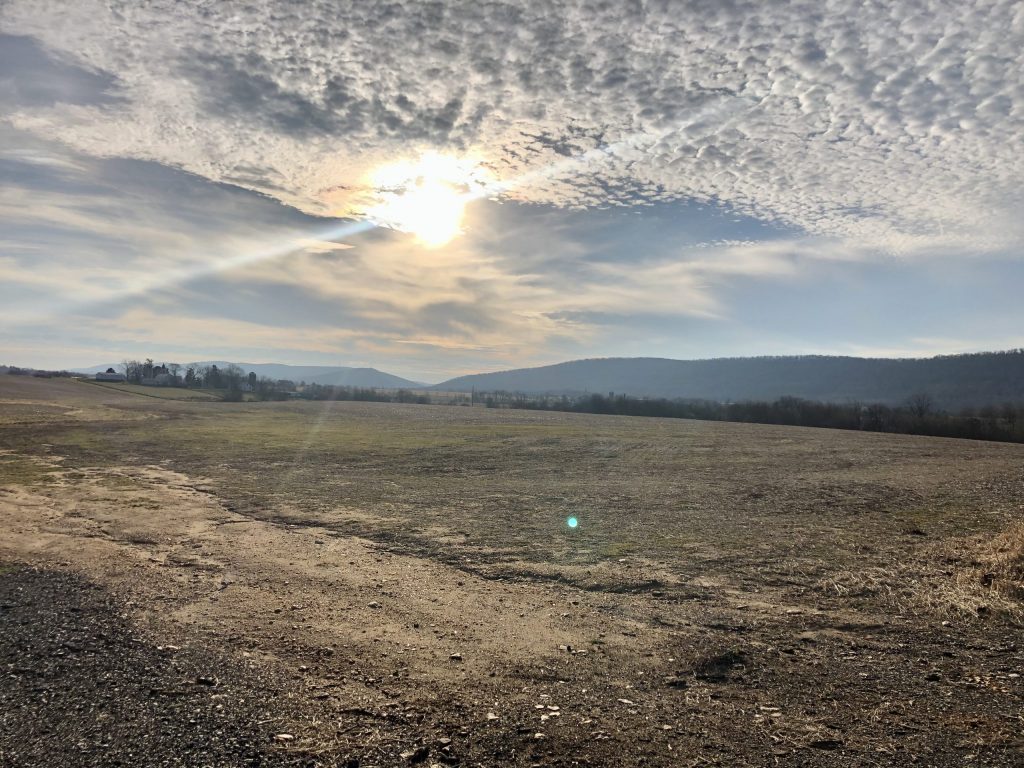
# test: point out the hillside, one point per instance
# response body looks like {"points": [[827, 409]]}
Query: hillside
{"points": [[952, 381], [362, 377]]}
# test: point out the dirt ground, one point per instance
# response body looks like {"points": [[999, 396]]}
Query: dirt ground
{"points": [[349, 584]]}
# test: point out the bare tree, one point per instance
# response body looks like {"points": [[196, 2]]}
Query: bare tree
{"points": [[1010, 414], [132, 370], [233, 376], [920, 405]]}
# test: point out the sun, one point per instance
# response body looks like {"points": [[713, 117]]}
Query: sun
{"points": [[427, 197], [429, 209]]}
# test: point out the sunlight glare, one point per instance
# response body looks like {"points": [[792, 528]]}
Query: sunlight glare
{"points": [[426, 198]]}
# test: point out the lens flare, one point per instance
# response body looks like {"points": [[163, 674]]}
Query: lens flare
{"points": [[572, 522]]}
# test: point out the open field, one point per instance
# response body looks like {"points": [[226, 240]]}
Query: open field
{"points": [[396, 584], [166, 393]]}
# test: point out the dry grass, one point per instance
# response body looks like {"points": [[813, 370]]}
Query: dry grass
{"points": [[162, 393], [1000, 564], [987, 576], [977, 577], [882, 523]]}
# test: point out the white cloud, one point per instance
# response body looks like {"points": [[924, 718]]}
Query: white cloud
{"points": [[866, 130], [894, 126]]}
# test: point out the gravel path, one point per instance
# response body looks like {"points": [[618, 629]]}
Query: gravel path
{"points": [[81, 688]]}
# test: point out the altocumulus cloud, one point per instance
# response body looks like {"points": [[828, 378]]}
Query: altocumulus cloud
{"points": [[894, 126], [770, 177]]}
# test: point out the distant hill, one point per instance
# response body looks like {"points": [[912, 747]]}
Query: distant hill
{"points": [[953, 381], [340, 376], [363, 377]]}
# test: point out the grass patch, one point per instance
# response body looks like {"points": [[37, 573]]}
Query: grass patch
{"points": [[24, 470], [726, 502], [618, 549], [965, 578], [282, 433], [117, 482], [161, 393], [998, 568]]}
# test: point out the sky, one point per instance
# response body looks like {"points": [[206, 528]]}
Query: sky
{"points": [[439, 188]]}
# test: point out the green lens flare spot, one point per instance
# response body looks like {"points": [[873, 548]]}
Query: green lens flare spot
{"points": [[572, 522]]}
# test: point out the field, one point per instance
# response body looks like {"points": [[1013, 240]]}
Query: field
{"points": [[167, 393], [367, 584]]}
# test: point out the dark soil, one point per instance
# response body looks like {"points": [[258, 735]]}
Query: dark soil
{"points": [[83, 687]]}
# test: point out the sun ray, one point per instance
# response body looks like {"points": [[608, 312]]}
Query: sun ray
{"points": [[426, 198], [143, 284]]}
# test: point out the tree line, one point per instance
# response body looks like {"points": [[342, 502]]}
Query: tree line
{"points": [[231, 380], [363, 394], [14, 370], [234, 384], [917, 416]]}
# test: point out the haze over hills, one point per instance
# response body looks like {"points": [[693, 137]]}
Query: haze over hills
{"points": [[337, 375], [952, 381]]}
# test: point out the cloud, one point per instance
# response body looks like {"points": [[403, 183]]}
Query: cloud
{"points": [[891, 125], [81, 230], [322, 246], [31, 77], [105, 248], [99, 248], [662, 167], [102, 247]]}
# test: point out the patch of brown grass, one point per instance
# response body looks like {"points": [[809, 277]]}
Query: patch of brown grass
{"points": [[999, 566], [985, 576], [978, 577]]}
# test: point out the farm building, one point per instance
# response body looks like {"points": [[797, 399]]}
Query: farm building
{"points": [[110, 375]]}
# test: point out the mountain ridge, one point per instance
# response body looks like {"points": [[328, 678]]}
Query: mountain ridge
{"points": [[952, 381], [972, 379]]}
